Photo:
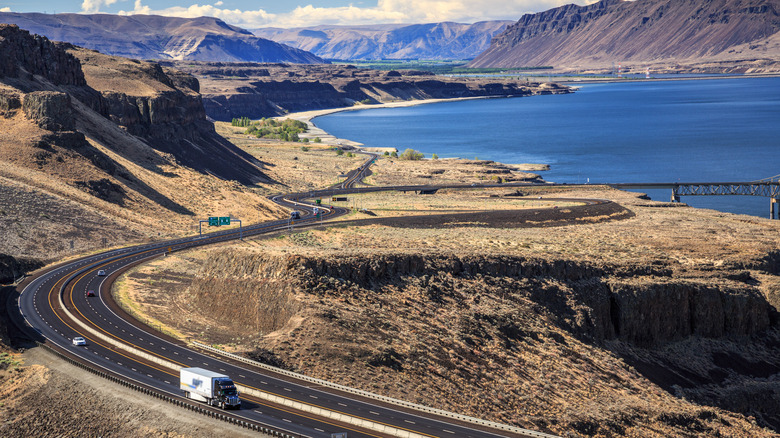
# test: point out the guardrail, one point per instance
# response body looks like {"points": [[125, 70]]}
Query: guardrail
{"points": [[371, 395], [291, 403], [198, 408]]}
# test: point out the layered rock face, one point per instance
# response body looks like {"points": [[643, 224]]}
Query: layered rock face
{"points": [[51, 110], [643, 305], [511, 338], [23, 55], [256, 90], [161, 106], [648, 31]]}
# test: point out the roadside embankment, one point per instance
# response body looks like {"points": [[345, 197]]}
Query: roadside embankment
{"points": [[606, 328]]}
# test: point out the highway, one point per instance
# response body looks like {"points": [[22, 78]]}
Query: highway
{"points": [[55, 305]]}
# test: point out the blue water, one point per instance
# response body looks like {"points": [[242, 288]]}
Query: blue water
{"points": [[667, 131]]}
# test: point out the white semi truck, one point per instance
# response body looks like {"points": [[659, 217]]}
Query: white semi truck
{"points": [[210, 387]]}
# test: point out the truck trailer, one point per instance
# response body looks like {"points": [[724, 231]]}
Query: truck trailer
{"points": [[210, 387]]}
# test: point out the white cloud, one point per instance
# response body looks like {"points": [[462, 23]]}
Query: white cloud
{"points": [[6, 9], [93, 6], [386, 11]]}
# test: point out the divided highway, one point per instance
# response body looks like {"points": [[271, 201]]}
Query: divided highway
{"points": [[56, 305]]}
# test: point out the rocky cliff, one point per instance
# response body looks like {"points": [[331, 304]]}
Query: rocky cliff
{"points": [[265, 90], [23, 55], [92, 145], [157, 37], [642, 31], [646, 306], [536, 342], [419, 41]]}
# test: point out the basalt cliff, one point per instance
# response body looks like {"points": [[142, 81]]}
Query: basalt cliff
{"points": [[264, 90], [88, 141], [738, 35]]}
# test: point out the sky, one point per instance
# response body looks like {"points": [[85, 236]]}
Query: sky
{"points": [[274, 13]]}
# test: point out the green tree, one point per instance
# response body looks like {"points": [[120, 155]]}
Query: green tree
{"points": [[434, 157], [411, 154], [317, 140], [339, 151], [394, 154]]}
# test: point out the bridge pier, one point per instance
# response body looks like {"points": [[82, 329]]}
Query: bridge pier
{"points": [[675, 196], [772, 202]]}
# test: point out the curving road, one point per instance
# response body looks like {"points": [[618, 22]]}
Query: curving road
{"points": [[55, 305]]}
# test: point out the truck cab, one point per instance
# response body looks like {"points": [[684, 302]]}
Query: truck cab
{"points": [[209, 387]]}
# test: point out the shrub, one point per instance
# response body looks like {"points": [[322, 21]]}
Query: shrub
{"points": [[305, 148], [386, 153], [285, 130], [394, 154], [411, 154], [317, 140], [434, 157], [339, 151]]}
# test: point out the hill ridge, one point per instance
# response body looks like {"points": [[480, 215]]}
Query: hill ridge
{"points": [[159, 37], [640, 31]]}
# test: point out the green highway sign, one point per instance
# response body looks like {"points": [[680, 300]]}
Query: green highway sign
{"points": [[213, 221], [224, 220]]}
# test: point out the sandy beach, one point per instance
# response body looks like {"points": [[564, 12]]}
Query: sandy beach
{"points": [[327, 138]]}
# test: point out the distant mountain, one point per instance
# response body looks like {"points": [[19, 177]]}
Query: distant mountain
{"points": [[390, 41], [612, 31], [156, 37]]}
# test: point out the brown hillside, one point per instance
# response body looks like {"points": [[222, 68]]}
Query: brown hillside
{"points": [[116, 152], [641, 31], [614, 327]]}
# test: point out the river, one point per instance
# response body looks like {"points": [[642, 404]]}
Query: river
{"points": [[659, 131]]}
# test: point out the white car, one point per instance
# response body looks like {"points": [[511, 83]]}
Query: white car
{"points": [[101, 273], [78, 340]]}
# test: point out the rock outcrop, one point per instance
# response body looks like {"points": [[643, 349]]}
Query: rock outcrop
{"points": [[642, 31], [265, 90], [647, 306], [23, 55], [12, 269], [51, 110]]}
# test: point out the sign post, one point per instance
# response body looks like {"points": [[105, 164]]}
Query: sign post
{"points": [[216, 221]]}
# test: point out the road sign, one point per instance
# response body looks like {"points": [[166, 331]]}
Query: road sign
{"points": [[224, 220], [213, 221]]}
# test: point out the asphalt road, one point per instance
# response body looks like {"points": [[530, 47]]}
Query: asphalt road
{"points": [[41, 304]]}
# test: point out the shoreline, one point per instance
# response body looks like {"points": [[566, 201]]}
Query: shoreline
{"points": [[330, 139], [327, 138]]}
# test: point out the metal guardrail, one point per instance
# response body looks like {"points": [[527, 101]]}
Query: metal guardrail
{"points": [[198, 408], [390, 400]]}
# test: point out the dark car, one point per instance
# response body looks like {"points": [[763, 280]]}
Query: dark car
{"points": [[90, 293], [295, 215]]}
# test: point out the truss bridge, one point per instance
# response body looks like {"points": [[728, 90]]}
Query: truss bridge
{"points": [[768, 188]]}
